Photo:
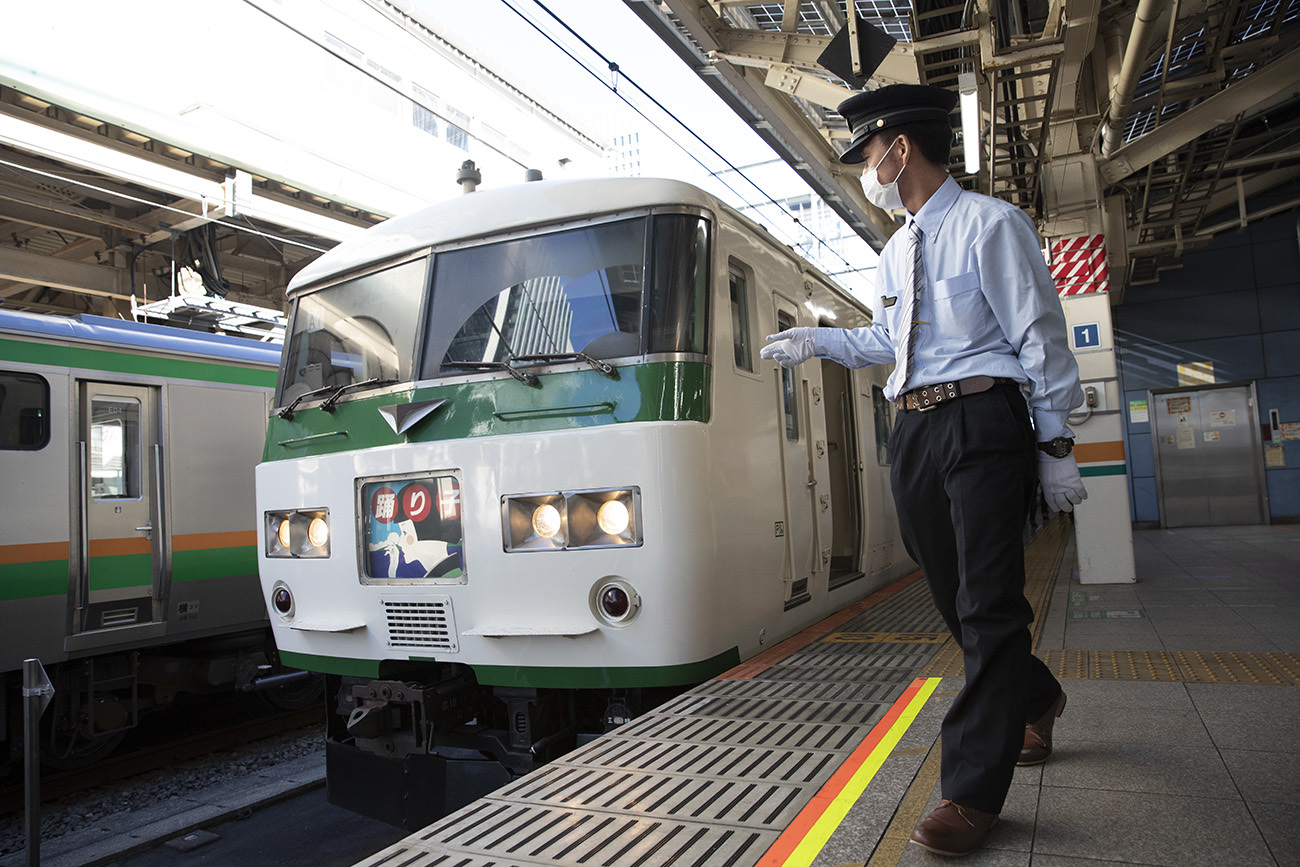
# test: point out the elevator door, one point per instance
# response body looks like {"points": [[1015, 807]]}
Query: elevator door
{"points": [[1207, 448]]}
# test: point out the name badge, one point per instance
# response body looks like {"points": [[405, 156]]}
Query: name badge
{"points": [[889, 300]]}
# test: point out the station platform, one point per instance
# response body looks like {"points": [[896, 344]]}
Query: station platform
{"points": [[1178, 745]]}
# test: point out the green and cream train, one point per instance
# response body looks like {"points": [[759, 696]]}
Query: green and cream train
{"points": [[128, 547], [527, 470]]}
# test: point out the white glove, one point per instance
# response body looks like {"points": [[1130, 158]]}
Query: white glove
{"points": [[1062, 486], [793, 346]]}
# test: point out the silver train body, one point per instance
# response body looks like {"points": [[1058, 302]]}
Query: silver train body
{"points": [[527, 471], [128, 558]]}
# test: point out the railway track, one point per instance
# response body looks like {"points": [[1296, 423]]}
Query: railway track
{"points": [[148, 756]]}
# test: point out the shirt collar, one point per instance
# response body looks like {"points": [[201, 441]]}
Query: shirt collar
{"points": [[931, 216]]}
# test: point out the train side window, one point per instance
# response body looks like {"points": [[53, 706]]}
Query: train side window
{"points": [[114, 448], [24, 411], [740, 333], [789, 399], [884, 412]]}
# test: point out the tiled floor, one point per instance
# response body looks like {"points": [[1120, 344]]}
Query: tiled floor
{"points": [[1168, 773]]}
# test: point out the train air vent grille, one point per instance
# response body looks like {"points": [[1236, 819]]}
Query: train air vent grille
{"points": [[119, 617], [426, 623]]}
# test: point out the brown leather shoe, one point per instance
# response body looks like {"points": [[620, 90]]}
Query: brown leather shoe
{"points": [[953, 829], [1038, 735]]}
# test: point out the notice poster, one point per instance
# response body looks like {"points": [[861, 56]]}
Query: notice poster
{"points": [[1185, 437], [1274, 455], [1178, 405], [1137, 412]]}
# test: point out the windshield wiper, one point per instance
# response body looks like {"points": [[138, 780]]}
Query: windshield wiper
{"points": [[529, 379], [329, 403], [287, 412], [596, 364]]}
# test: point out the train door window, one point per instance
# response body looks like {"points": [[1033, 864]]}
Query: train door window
{"points": [[791, 399], [24, 411], [115, 448], [740, 331], [884, 413]]}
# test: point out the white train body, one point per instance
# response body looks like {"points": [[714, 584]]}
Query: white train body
{"points": [[756, 500]]}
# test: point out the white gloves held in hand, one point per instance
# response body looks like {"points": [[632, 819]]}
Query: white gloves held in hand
{"points": [[1062, 486], [793, 346]]}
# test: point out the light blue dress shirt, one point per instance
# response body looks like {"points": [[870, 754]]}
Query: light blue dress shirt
{"points": [[989, 308]]}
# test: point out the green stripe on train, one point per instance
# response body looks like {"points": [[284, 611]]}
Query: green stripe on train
{"points": [[214, 563], [660, 391], [125, 362], [556, 678], [115, 571], [30, 580]]}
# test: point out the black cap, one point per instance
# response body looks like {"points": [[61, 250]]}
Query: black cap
{"points": [[876, 110]]}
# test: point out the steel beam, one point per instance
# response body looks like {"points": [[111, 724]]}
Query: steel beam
{"points": [[1264, 85], [37, 270]]}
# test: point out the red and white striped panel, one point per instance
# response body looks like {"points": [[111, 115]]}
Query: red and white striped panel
{"points": [[1079, 265]]}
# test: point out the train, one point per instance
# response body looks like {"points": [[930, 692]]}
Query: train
{"points": [[128, 550], [527, 474]]}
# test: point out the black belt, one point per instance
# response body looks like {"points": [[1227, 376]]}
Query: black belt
{"points": [[931, 396]]}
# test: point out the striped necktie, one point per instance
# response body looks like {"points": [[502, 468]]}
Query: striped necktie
{"points": [[907, 347]]}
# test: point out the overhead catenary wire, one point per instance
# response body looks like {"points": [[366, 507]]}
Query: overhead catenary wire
{"points": [[614, 67], [159, 205]]}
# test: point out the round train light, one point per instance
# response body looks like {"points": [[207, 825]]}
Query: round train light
{"points": [[613, 517], [282, 599], [546, 520], [614, 602], [318, 532], [282, 533]]}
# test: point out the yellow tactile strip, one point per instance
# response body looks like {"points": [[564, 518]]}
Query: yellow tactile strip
{"points": [[1272, 669]]}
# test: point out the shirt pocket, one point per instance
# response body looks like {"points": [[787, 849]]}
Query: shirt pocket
{"points": [[958, 305]]}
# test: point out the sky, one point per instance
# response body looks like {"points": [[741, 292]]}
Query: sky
{"points": [[253, 81]]}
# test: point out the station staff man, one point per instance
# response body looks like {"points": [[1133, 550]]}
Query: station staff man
{"points": [[969, 314]]}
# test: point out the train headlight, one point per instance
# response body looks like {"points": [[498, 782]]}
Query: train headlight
{"points": [[613, 517], [614, 601], [534, 523], [546, 520], [608, 518], [318, 532], [298, 533]]}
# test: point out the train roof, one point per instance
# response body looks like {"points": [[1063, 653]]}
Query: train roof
{"points": [[120, 332], [490, 212]]}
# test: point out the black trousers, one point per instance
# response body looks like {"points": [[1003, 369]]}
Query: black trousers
{"points": [[963, 478]]}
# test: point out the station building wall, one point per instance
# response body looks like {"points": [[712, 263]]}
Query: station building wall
{"points": [[1235, 304]]}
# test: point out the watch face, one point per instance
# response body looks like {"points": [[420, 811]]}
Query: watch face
{"points": [[1057, 448]]}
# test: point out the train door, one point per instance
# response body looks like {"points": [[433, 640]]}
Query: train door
{"points": [[1208, 467], [798, 474], [844, 474], [122, 534]]}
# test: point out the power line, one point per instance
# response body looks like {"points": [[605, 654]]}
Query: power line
{"points": [[615, 68]]}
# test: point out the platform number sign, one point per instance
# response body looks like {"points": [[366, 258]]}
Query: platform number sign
{"points": [[1087, 336]]}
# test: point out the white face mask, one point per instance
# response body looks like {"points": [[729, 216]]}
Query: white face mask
{"points": [[883, 196]]}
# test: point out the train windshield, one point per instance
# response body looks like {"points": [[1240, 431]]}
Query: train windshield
{"points": [[612, 290], [360, 330]]}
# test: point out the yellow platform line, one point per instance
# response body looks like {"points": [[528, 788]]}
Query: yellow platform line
{"points": [[805, 837]]}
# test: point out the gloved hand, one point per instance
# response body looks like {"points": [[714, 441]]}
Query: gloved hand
{"points": [[793, 346], [1062, 486]]}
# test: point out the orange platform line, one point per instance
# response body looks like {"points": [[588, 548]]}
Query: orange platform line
{"points": [[801, 842]]}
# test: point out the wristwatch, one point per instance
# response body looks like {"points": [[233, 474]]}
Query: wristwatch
{"points": [[1057, 448]]}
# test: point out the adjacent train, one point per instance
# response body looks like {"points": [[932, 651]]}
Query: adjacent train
{"points": [[128, 549], [526, 470]]}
